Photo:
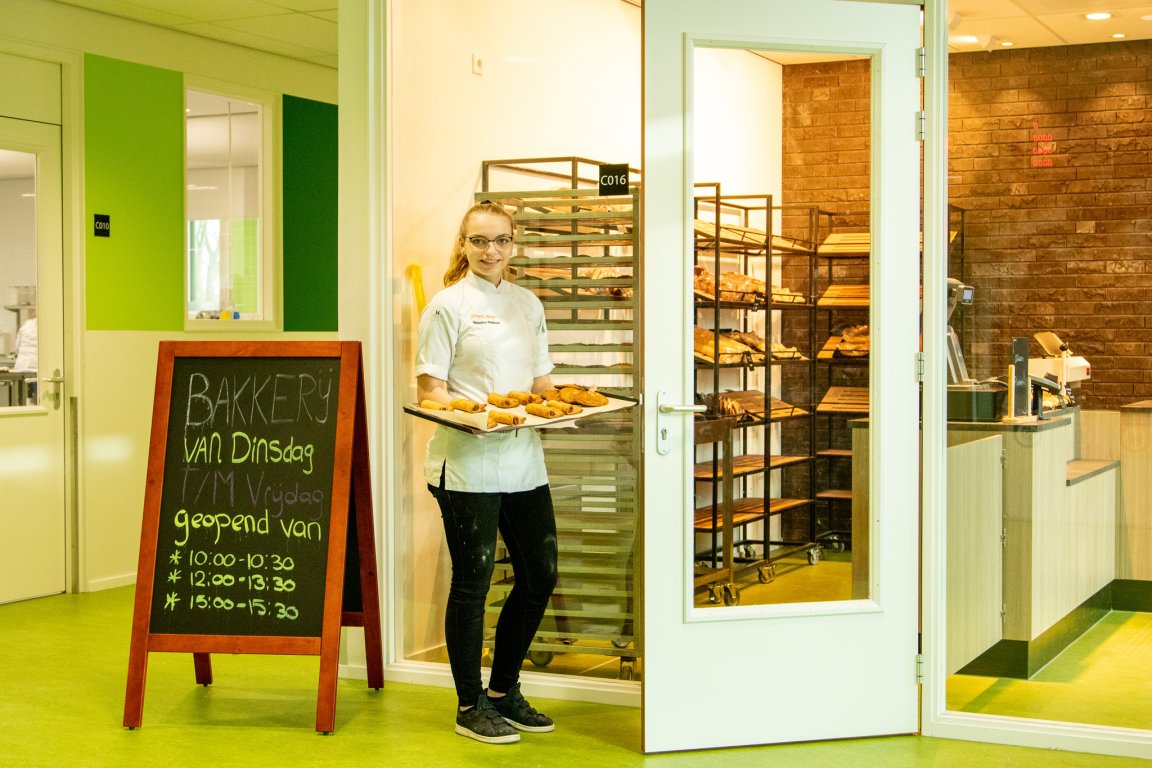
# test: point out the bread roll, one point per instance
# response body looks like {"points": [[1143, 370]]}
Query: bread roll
{"points": [[550, 394], [502, 401], [468, 406], [496, 418], [432, 405], [582, 397], [569, 409], [543, 411]]}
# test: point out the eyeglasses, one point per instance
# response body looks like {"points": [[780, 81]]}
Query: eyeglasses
{"points": [[502, 242]]}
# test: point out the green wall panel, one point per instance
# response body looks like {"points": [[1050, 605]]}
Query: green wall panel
{"points": [[310, 215], [134, 173]]}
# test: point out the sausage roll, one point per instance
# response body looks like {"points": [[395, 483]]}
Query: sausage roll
{"points": [[432, 405], [543, 411], [503, 417], [525, 397], [569, 409], [502, 401], [468, 406]]}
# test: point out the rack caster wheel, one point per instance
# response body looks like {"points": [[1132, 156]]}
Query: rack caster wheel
{"points": [[540, 658], [731, 595], [766, 573], [815, 555], [627, 669], [712, 596]]}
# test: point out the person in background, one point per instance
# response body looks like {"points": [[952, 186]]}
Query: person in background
{"points": [[480, 335], [26, 347]]}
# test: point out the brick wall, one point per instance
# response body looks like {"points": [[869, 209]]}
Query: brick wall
{"points": [[1049, 152], [1049, 155]]}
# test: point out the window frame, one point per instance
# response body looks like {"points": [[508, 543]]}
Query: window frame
{"points": [[270, 240]]}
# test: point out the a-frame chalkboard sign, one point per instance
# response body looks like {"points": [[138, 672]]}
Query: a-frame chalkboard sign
{"points": [[257, 534]]}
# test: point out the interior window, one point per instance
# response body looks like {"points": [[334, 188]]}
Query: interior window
{"points": [[226, 225]]}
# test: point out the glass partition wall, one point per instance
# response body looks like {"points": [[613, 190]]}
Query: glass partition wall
{"points": [[1049, 578]]}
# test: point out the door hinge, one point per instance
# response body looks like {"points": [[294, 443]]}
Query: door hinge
{"points": [[920, 366], [921, 62], [919, 669], [1003, 537], [921, 125]]}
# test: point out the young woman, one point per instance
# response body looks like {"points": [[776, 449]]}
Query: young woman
{"points": [[479, 335]]}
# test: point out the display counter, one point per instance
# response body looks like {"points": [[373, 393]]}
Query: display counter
{"points": [[1042, 550]]}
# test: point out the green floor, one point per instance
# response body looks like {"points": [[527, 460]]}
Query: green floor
{"points": [[1101, 679], [62, 697]]}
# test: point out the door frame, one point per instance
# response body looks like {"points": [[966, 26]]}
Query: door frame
{"points": [[71, 124]]}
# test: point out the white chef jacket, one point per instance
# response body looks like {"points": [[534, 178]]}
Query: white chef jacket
{"points": [[483, 338]]}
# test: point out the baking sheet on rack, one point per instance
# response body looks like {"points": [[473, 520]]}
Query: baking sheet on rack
{"points": [[477, 423]]}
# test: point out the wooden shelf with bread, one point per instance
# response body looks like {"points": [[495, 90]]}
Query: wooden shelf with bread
{"points": [[753, 291], [579, 251]]}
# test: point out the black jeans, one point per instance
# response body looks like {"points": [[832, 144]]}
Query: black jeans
{"points": [[527, 524]]}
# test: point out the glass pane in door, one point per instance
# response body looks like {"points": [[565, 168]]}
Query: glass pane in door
{"points": [[782, 315], [18, 336]]}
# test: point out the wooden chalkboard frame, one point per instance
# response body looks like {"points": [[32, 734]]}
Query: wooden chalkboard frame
{"points": [[350, 521]]}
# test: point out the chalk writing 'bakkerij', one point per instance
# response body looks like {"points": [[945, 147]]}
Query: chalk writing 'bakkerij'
{"points": [[237, 401]]}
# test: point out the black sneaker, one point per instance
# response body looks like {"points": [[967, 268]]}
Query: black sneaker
{"points": [[520, 714], [485, 724]]}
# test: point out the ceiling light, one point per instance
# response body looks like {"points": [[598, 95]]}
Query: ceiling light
{"points": [[1098, 16], [1119, 36], [1146, 18], [965, 39], [1007, 43]]}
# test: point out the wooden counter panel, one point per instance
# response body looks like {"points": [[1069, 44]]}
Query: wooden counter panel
{"points": [[1134, 530], [974, 586]]}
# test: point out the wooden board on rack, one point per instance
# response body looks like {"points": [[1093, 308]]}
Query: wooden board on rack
{"points": [[731, 234], [747, 464], [831, 351], [844, 400], [751, 403], [847, 245], [845, 296]]}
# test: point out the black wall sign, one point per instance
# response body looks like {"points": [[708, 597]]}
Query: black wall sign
{"points": [[102, 225], [613, 179]]}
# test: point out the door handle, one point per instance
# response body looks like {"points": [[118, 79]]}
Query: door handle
{"points": [[56, 380], [663, 410]]}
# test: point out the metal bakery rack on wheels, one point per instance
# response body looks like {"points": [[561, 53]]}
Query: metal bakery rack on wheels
{"points": [[842, 280], [580, 253], [754, 316]]}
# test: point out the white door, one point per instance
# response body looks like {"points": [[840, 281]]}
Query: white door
{"points": [[792, 670], [32, 408]]}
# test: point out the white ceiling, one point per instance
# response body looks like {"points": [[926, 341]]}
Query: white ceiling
{"points": [[1036, 23], [306, 29], [297, 29]]}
